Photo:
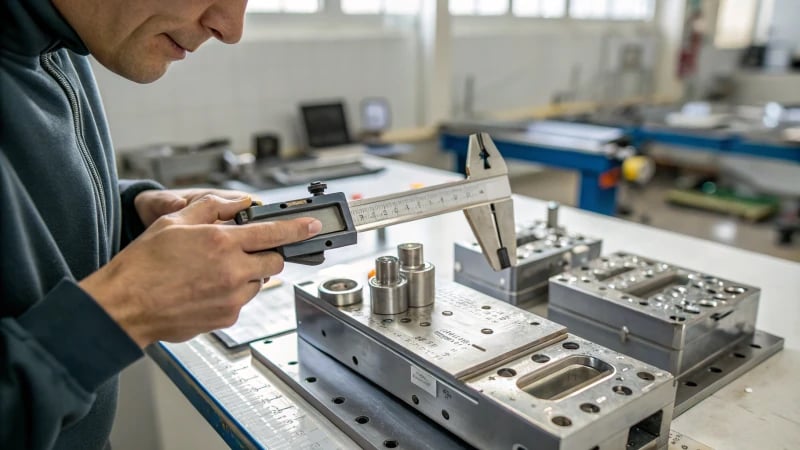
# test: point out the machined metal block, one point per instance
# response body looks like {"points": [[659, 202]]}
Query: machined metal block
{"points": [[543, 249], [495, 375], [669, 316]]}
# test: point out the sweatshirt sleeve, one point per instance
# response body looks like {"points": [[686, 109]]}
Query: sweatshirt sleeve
{"points": [[57, 345], [53, 357], [132, 225]]}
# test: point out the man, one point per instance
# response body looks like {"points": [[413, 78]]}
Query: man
{"points": [[74, 309]]}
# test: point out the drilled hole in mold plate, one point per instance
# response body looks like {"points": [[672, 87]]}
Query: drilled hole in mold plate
{"points": [[390, 443], [507, 372], [590, 408], [571, 345], [539, 358], [714, 369], [362, 419], [622, 390], [561, 421], [647, 376], [690, 383], [339, 400]]}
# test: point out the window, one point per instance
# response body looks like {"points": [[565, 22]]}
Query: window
{"points": [[404, 7], [612, 9], [284, 6], [478, 7], [539, 8], [735, 23]]}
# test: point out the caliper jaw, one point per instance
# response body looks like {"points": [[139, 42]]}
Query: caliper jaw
{"points": [[492, 224]]}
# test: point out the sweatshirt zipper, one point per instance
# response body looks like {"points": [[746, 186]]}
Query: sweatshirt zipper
{"points": [[77, 119]]}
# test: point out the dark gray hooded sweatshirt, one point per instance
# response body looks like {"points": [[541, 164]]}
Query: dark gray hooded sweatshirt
{"points": [[63, 214]]}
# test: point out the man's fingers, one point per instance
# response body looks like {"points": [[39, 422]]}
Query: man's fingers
{"points": [[192, 195], [263, 265], [256, 237], [210, 208]]}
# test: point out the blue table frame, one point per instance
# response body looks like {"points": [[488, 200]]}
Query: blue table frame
{"points": [[720, 141], [592, 166]]}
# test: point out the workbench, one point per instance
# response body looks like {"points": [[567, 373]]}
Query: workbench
{"points": [[759, 144], [251, 408]]}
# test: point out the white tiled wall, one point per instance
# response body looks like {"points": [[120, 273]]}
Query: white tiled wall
{"points": [[235, 91], [524, 69], [256, 85]]}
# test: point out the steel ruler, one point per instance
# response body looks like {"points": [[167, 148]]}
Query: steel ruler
{"points": [[484, 196]]}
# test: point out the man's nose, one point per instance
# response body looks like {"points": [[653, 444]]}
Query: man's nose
{"points": [[225, 20]]}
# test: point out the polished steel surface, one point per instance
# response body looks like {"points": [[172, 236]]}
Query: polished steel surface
{"points": [[679, 441], [388, 289], [669, 316], [462, 332], [341, 292], [552, 215], [411, 255], [421, 275], [370, 416], [542, 251], [696, 385], [470, 359]]}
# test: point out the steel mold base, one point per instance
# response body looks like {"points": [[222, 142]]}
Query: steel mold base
{"points": [[466, 403]]}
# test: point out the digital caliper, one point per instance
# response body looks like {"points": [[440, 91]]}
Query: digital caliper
{"points": [[484, 196]]}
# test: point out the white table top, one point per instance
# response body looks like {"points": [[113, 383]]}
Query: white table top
{"points": [[766, 417]]}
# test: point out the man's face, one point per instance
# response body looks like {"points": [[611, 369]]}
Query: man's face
{"points": [[139, 39]]}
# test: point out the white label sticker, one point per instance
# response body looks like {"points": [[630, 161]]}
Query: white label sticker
{"points": [[423, 380]]}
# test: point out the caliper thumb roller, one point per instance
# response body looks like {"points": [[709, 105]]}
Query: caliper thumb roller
{"points": [[484, 196]]}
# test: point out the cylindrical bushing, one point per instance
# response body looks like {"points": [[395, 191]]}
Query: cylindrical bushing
{"points": [[388, 289], [341, 291], [552, 214], [421, 276]]}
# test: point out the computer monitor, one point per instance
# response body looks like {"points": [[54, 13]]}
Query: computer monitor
{"points": [[325, 124]]}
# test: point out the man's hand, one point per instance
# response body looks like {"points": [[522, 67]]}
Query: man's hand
{"points": [[156, 203], [187, 274]]}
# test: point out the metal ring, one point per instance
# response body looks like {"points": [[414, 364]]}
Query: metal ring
{"points": [[341, 291]]}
